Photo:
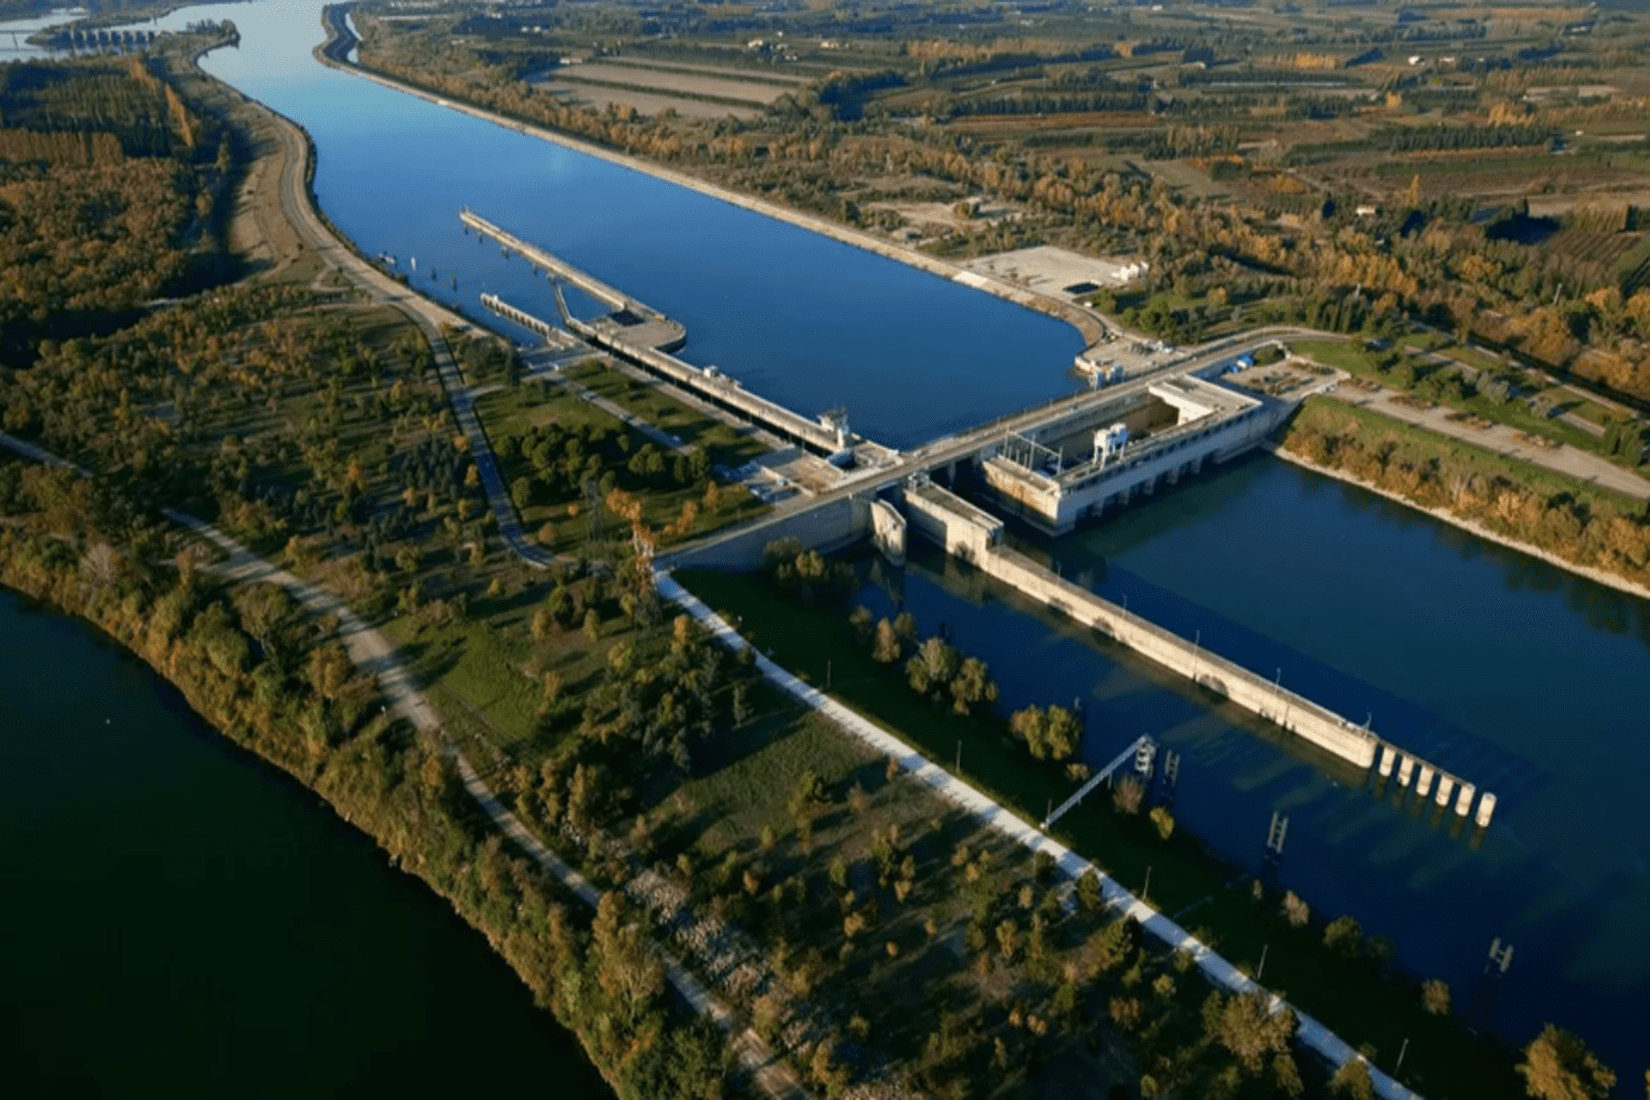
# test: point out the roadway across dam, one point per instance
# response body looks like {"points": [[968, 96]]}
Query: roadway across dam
{"points": [[1053, 466]]}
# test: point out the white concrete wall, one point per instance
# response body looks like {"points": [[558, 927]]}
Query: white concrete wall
{"points": [[888, 531], [954, 530], [1298, 715], [830, 526], [1058, 510]]}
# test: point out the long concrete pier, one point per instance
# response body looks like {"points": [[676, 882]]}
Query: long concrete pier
{"points": [[636, 324], [642, 336], [969, 533], [553, 336]]}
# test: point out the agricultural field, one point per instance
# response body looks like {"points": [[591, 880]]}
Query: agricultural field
{"points": [[654, 87], [699, 82]]}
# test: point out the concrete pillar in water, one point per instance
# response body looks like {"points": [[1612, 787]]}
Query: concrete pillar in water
{"points": [[1406, 767], [1388, 755], [1486, 809], [1445, 786], [1423, 784], [1463, 801]]}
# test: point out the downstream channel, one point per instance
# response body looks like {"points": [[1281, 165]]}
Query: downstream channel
{"points": [[182, 920], [1513, 673]]}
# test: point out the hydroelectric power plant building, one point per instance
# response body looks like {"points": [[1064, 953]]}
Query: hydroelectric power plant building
{"points": [[1097, 458]]}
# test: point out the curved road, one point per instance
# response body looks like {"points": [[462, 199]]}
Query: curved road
{"points": [[428, 315], [376, 655]]}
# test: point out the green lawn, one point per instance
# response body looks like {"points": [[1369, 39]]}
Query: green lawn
{"points": [[1348, 355], [482, 670], [1353, 358], [648, 401], [1363, 1006], [508, 413]]}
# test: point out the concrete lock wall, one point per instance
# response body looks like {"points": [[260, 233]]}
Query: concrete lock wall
{"points": [[830, 526], [1299, 716], [888, 531], [965, 531]]}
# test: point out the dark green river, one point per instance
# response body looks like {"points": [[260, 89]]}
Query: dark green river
{"points": [[182, 920]]}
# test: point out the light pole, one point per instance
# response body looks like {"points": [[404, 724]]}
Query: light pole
{"points": [[1401, 1052], [1261, 969], [1146, 890], [1197, 645], [1277, 685]]}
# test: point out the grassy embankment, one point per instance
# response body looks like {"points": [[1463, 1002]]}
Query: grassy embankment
{"points": [[731, 447], [311, 423], [512, 416], [1413, 371], [1372, 1009], [1578, 523]]}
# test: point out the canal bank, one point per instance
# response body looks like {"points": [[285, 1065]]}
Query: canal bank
{"points": [[260, 945], [340, 40], [1421, 625], [1444, 515], [1198, 900]]}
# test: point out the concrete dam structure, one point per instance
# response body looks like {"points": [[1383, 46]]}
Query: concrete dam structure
{"points": [[1069, 461], [975, 536], [1078, 465]]}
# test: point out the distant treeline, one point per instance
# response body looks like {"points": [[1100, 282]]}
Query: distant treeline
{"points": [[1288, 78], [1162, 143], [1412, 139], [76, 148], [1051, 103]]}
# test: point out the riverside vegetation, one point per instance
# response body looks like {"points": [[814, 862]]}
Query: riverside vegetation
{"points": [[1577, 524], [1479, 170], [302, 420], [803, 614], [880, 938]]}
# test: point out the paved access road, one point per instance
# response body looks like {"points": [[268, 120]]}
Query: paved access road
{"points": [[428, 315], [375, 654], [1584, 467], [1216, 968]]}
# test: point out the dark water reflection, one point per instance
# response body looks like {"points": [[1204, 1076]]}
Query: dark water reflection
{"points": [[182, 921], [1523, 678]]}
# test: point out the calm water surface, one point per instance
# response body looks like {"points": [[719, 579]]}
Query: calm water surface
{"points": [[799, 318], [1522, 678], [181, 920]]}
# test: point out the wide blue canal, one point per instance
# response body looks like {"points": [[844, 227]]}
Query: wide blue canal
{"points": [[1518, 676], [800, 318]]}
